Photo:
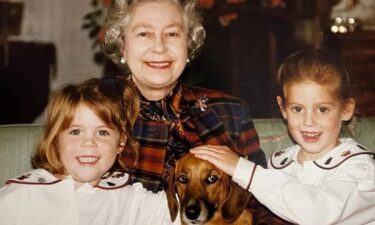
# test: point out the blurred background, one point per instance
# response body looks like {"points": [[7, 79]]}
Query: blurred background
{"points": [[45, 44]]}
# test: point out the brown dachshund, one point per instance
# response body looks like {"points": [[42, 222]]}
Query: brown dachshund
{"points": [[206, 195]]}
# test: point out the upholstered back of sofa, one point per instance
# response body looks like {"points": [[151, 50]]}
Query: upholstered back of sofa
{"points": [[17, 142]]}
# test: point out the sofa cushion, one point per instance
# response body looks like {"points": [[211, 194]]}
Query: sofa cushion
{"points": [[17, 143], [363, 130], [273, 135]]}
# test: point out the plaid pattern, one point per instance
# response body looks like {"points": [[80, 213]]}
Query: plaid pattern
{"points": [[225, 121]]}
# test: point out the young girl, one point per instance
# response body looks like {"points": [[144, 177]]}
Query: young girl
{"points": [[322, 179], [88, 127]]}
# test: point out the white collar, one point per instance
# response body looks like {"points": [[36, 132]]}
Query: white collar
{"points": [[347, 149], [43, 177]]}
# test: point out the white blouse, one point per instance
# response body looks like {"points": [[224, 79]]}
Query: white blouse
{"points": [[339, 188], [38, 197]]}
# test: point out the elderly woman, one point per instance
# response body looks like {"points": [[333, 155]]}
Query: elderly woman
{"points": [[153, 40]]}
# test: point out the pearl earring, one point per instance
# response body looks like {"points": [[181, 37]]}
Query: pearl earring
{"points": [[122, 60], [187, 60]]}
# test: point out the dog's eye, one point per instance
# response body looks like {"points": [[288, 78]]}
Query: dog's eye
{"points": [[211, 179], [183, 179]]}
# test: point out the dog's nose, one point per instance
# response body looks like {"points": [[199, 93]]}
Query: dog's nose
{"points": [[192, 211]]}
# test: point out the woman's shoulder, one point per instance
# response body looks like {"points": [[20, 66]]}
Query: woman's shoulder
{"points": [[226, 106], [194, 93]]}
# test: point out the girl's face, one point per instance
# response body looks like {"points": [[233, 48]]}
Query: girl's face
{"points": [[314, 117], [155, 46], [88, 147]]}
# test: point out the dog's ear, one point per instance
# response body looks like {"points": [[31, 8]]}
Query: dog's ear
{"points": [[235, 203], [170, 191]]}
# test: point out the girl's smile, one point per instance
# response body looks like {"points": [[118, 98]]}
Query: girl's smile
{"points": [[314, 116], [87, 159], [310, 136]]}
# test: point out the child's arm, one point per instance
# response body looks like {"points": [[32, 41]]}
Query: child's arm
{"points": [[321, 198], [221, 156]]}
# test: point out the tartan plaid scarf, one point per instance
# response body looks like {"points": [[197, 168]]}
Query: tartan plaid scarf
{"points": [[172, 110]]}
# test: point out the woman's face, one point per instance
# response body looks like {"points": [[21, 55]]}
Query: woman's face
{"points": [[155, 47]]}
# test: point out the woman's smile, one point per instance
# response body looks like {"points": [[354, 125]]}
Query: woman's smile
{"points": [[159, 65]]}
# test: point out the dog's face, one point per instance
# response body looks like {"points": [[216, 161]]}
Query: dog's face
{"points": [[206, 194]]}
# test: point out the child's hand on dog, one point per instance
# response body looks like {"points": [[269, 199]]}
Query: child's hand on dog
{"points": [[219, 155]]}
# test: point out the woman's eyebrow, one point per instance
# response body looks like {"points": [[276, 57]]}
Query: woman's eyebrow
{"points": [[145, 25], [141, 25]]}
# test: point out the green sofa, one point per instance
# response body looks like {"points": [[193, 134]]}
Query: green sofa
{"points": [[18, 141]]}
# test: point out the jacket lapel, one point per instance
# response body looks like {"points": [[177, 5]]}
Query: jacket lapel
{"points": [[206, 122]]}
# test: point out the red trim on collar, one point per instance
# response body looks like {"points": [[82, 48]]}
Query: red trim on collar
{"points": [[113, 188], [31, 183], [355, 154]]}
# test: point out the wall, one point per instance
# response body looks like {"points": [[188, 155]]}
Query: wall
{"points": [[59, 22]]}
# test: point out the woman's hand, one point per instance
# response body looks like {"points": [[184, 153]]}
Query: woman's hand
{"points": [[221, 156]]}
